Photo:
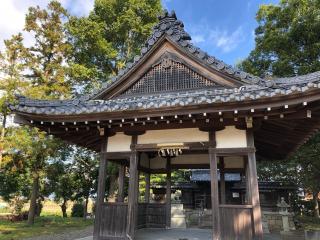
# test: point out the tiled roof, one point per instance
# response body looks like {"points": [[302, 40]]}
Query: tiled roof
{"points": [[254, 88], [283, 87]]}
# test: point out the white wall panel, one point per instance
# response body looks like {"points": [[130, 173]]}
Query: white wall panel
{"points": [[183, 135], [231, 137], [119, 143]]}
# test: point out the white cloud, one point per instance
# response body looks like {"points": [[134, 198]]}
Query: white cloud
{"points": [[198, 38], [12, 15], [226, 41]]}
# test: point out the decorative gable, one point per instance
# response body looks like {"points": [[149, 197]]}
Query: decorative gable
{"points": [[170, 74], [141, 75]]}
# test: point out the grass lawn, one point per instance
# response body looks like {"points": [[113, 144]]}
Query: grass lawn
{"points": [[43, 225]]}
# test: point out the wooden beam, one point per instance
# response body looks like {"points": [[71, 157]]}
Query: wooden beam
{"points": [[132, 193], [216, 232], [191, 146], [253, 179], [233, 151], [147, 192], [168, 194], [101, 188], [122, 174], [222, 182]]}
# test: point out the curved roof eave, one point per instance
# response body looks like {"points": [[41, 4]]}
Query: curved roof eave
{"points": [[307, 89]]}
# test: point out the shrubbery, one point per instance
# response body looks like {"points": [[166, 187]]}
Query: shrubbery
{"points": [[77, 210]]}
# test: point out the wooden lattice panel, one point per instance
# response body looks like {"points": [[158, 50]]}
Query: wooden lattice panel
{"points": [[169, 75]]}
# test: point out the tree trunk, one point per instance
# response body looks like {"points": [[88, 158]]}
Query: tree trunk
{"points": [[33, 199], [3, 132], [85, 208], [38, 207], [64, 208], [316, 205]]}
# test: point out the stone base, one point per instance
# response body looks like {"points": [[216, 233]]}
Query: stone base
{"points": [[178, 218], [312, 235]]}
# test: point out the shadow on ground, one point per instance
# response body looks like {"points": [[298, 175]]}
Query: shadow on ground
{"points": [[179, 234]]}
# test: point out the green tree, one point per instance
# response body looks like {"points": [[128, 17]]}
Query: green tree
{"points": [[288, 44], [15, 176], [307, 159], [60, 178], [85, 173], [46, 58], [46, 64], [27, 152], [43, 68], [287, 39], [110, 36], [12, 65]]}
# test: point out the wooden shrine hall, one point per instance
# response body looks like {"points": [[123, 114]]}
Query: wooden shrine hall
{"points": [[175, 107]]}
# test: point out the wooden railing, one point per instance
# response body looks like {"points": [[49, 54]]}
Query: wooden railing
{"points": [[113, 221], [151, 215], [236, 222]]}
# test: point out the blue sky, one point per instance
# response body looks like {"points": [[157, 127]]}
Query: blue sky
{"points": [[223, 28]]}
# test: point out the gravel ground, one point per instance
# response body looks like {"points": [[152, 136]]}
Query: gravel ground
{"points": [[74, 234]]}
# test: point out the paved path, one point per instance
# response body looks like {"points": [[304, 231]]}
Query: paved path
{"points": [[176, 234]]}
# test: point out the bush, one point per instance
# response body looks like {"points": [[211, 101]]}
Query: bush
{"points": [[16, 204], [77, 210]]}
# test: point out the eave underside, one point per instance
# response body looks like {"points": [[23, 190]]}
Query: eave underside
{"points": [[278, 130]]}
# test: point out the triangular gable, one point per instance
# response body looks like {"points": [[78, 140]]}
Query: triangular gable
{"points": [[170, 74], [169, 40]]}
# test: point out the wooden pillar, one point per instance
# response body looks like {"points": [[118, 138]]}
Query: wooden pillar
{"points": [[222, 182], [168, 194], [132, 192], [216, 234], [122, 175], [248, 195], [254, 188], [101, 187], [147, 192]]}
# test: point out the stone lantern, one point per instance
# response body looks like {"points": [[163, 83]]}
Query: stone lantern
{"points": [[283, 210]]}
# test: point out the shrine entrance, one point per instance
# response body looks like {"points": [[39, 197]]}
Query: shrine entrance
{"points": [[174, 97]]}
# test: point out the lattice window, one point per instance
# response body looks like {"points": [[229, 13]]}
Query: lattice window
{"points": [[169, 75]]}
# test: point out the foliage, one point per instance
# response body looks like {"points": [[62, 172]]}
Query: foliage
{"points": [[308, 159], [12, 65], [108, 38], [85, 173], [42, 67], [276, 170], [58, 61], [16, 204], [60, 180], [77, 210], [47, 56], [288, 44], [45, 225], [287, 39]]}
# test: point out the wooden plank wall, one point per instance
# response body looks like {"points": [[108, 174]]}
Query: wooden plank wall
{"points": [[236, 222], [113, 221], [142, 215], [151, 215]]}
